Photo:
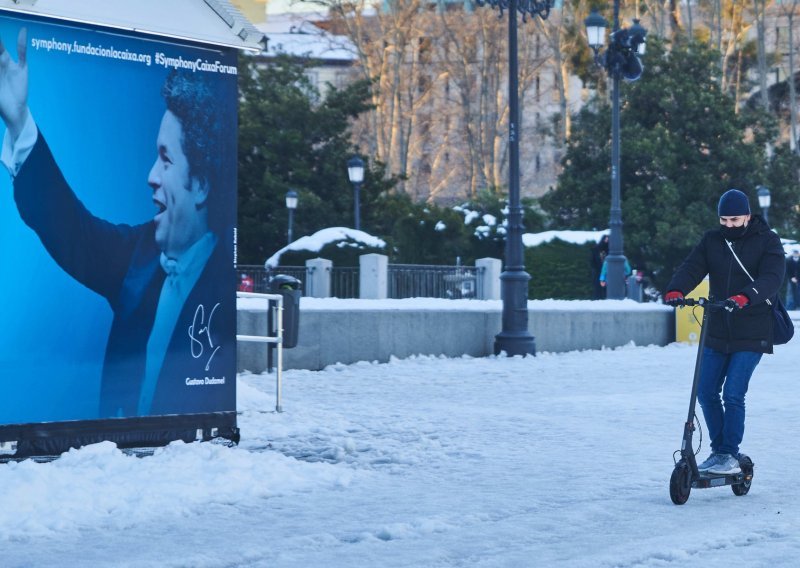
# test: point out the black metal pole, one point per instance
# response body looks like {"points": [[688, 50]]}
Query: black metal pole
{"points": [[291, 219], [765, 210], [615, 273], [357, 206], [514, 339]]}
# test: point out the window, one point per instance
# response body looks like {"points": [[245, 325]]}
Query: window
{"points": [[313, 78], [556, 96]]}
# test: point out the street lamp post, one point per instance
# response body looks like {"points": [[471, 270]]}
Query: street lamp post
{"points": [[355, 171], [291, 205], [764, 201], [621, 61], [514, 338]]}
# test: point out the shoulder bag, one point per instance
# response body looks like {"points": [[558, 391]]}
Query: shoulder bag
{"points": [[782, 326]]}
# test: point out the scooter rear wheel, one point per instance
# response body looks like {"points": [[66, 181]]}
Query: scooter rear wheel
{"points": [[747, 469], [680, 483]]}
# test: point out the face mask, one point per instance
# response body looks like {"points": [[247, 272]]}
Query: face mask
{"points": [[733, 233]]}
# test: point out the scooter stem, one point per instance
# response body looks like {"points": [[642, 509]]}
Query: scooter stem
{"points": [[686, 445]]}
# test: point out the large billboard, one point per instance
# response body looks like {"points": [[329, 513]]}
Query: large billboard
{"points": [[117, 224]]}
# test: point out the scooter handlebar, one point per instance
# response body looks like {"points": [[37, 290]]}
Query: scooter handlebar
{"points": [[702, 302]]}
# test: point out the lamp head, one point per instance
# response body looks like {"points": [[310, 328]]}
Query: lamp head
{"points": [[596, 30], [625, 45], [291, 199], [638, 36], [764, 197], [355, 169]]}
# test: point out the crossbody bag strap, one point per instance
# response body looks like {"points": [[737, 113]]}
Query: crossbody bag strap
{"points": [[730, 246]]}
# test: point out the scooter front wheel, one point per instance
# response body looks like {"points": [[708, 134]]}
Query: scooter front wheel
{"points": [[680, 483]]}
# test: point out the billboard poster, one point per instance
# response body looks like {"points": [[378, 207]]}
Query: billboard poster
{"points": [[117, 216]]}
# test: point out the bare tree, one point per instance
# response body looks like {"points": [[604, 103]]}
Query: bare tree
{"points": [[440, 90], [726, 22], [658, 17], [733, 33], [789, 9], [387, 44], [470, 57], [760, 12], [474, 59], [560, 31], [675, 23]]}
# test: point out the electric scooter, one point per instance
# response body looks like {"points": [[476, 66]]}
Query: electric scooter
{"points": [[685, 476]]}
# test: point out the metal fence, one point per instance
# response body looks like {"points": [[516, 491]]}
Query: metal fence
{"points": [[405, 280], [344, 282], [427, 281]]}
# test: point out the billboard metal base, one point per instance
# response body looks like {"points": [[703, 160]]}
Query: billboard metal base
{"points": [[47, 440]]}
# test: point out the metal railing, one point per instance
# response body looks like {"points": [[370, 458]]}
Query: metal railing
{"points": [[344, 282], [405, 280], [427, 281], [277, 308]]}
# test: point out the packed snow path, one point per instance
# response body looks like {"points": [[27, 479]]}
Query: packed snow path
{"points": [[558, 460]]}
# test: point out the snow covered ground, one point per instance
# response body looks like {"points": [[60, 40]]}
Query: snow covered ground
{"points": [[558, 460]]}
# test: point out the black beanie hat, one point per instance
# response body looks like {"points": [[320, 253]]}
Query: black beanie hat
{"points": [[733, 203]]}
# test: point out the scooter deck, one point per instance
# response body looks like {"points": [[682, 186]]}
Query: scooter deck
{"points": [[706, 480]]}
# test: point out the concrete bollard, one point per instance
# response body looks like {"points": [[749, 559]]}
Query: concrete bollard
{"points": [[489, 278], [318, 273], [373, 276]]}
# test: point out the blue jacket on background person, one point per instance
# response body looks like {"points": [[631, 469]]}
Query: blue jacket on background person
{"points": [[603, 270]]}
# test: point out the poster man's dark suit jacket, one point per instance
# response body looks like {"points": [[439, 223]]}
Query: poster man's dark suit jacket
{"points": [[121, 263]]}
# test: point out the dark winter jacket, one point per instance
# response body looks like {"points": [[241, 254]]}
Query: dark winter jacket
{"points": [[760, 250]]}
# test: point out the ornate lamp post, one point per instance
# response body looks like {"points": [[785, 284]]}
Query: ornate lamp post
{"points": [[355, 171], [621, 61], [764, 201], [514, 338], [291, 205]]}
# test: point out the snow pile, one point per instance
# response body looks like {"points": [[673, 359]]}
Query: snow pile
{"points": [[557, 460], [318, 240], [574, 237]]}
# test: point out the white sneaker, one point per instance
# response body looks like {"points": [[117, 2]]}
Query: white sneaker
{"points": [[726, 465], [709, 463]]}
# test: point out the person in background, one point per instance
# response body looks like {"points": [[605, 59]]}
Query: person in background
{"points": [[246, 283], [738, 336], [792, 275], [599, 252], [604, 269]]}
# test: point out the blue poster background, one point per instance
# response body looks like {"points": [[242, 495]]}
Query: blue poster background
{"points": [[100, 116]]}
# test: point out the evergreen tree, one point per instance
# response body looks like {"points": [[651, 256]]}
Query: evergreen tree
{"points": [[782, 180], [683, 144], [290, 137]]}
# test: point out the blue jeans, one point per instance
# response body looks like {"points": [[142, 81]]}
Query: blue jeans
{"points": [[725, 423]]}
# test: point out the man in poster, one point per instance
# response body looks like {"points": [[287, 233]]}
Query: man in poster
{"points": [[169, 282]]}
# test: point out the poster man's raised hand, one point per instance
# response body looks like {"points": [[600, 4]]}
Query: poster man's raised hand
{"points": [[14, 85]]}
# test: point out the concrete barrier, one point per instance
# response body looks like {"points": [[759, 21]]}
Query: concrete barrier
{"points": [[347, 336]]}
